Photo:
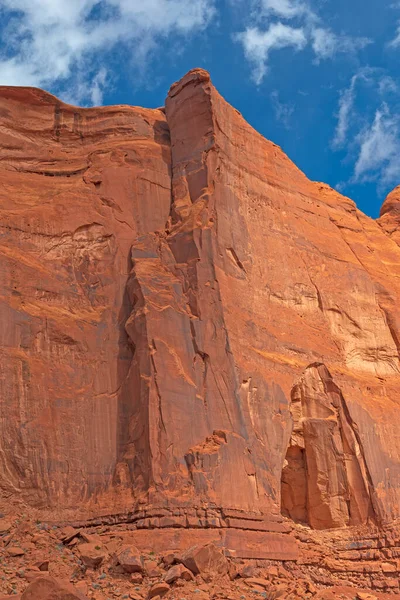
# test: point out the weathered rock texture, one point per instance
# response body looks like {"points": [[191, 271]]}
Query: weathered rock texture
{"points": [[188, 325], [325, 480]]}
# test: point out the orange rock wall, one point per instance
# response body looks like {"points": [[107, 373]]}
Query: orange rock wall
{"points": [[172, 286], [77, 187]]}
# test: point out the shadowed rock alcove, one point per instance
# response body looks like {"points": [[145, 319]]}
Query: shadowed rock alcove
{"points": [[325, 480]]}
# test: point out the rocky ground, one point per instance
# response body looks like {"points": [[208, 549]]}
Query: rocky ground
{"points": [[45, 562]]}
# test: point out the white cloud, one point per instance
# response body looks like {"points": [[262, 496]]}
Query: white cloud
{"points": [[368, 127], [346, 103], [50, 41], [82, 91], [381, 86], [257, 44], [395, 43], [326, 44], [323, 41], [387, 85], [347, 100], [286, 9], [379, 155], [98, 85]]}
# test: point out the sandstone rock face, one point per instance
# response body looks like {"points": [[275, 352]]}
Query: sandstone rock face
{"points": [[325, 481], [187, 321], [78, 188], [390, 214]]}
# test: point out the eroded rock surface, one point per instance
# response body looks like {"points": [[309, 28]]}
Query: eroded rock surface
{"points": [[325, 481], [193, 335]]}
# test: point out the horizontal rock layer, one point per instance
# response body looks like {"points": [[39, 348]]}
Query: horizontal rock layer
{"points": [[188, 323]]}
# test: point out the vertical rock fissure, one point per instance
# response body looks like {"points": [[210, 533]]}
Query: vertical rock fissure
{"points": [[133, 451]]}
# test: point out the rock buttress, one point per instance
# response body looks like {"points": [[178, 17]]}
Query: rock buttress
{"points": [[202, 443]]}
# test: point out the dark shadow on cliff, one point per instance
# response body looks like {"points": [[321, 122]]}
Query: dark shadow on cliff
{"points": [[126, 353]]}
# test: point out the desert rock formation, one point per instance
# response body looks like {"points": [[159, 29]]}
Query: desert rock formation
{"points": [[194, 336]]}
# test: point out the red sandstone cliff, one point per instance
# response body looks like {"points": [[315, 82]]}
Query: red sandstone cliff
{"points": [[187, 322]]}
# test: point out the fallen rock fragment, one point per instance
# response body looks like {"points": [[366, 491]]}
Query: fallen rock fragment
{"points": [[257, 582], [205, 560], [90, 538], [247, 571], [82, 587], [178, 572], [32, 573], [48, 588], [169, 558], [92, 555], [68, 534], [42, 565], [130, 560], [159, 589], [15, 551], [152, 569]]}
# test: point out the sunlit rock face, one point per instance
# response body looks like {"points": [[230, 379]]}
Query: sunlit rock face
{"points": [[187, 321]]}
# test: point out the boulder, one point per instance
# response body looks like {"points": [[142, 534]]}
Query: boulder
{"points": [[130, 560], [49, 588], [171, 557], [68, 533], [92, 555], [205, 560], [151, 568], [178, 572], [15, 551], [159, 589]]}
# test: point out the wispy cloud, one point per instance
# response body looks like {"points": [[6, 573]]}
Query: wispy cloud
{"points": [[91, 92], [379, 155], [48, 41], [395, 42], [326, 44], [307, 29], [346, 105], [258, 44], [286, 9], [368, 127]]}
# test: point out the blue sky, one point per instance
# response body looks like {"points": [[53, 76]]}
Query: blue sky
{"points": [[318, 77]]}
